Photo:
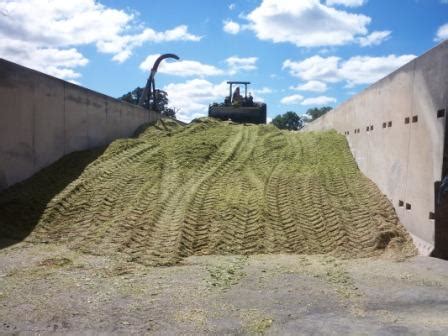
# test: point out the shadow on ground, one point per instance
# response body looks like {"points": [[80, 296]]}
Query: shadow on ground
{"points": [[22, 205]]}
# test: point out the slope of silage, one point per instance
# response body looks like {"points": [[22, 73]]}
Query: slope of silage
{"points": [[213, 188]]}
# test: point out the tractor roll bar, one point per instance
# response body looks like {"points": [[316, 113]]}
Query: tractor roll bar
{"points": [[237, 82]]}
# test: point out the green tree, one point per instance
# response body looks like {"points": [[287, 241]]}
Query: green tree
{"points": [[290, 121], [133, 97], [169, 112], [317, 112], [161, 105]]}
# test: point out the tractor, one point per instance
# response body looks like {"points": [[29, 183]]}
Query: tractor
{"points": [[238, 108]]}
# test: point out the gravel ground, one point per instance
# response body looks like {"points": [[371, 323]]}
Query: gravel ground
{"points": [[50, 289]]}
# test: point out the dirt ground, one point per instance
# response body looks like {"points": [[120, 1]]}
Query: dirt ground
{"points": [[50, 289]]}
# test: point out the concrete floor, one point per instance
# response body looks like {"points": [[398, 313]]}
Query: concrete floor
{"points": [[48, 289]]}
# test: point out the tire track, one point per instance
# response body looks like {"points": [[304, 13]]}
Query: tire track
{"points": [[215, 188]]}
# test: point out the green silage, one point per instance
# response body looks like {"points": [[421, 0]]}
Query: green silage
{"points": [[207, 188]]}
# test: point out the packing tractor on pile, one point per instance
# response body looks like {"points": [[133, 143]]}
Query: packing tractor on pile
{"points": [[237, 108]]}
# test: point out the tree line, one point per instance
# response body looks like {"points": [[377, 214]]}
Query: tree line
{"points": [[292, 121], [161, 102]]}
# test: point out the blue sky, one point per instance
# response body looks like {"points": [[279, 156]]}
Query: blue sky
{"points": [[297, 54]]}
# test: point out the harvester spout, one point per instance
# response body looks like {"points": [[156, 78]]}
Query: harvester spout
{"points": [[149, 93]]}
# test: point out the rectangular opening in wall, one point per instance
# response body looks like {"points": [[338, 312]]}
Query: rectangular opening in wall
{"points": [[406, 120], [400, 203], [384, 125], [441, 113], [371, 127], [432, 215], [408, 206], [389, 124], [367, 128], [414, 119]]}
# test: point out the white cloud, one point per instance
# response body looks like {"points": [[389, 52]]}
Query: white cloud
{"points": [[232, 6], [259, 93], [306, 23], [347, 3], [188, 68], [366, 69], [321, 100], [312, 86], [236, 64], [60, 63], [291, 100], [355, 70], [193, 97], [315, 68], [442, 32], [375, 38], [122, 46], [182, 68], [231, 27], [32, 29]]}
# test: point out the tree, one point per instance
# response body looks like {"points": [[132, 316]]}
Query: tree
{"points": [[161, 104], [133, 97], [290, 121], [316, 112], [170, 112]]}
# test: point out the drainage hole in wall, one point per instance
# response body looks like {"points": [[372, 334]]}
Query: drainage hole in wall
{"points": [[406, 120], [400, 203], [367, 128], [371, 127], [384, 125], [408, 206], [389, 124], [432, 215], [414, 119], [441, 113]]}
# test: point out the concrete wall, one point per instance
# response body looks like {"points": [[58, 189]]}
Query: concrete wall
{"points": [[43, 118], [403, 159]]}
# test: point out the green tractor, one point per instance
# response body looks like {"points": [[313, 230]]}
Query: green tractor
{"points": [[237, 108]]}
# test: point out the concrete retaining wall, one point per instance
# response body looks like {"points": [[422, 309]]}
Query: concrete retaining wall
{"points": [[396, 130], [43, 118]]}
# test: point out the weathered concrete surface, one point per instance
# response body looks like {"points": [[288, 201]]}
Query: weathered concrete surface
{"points": [[43, 118], [402, 156], [50, 289]]}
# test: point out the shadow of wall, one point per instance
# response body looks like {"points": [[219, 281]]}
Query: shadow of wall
{"points": [[441, 230], [22, 205]]}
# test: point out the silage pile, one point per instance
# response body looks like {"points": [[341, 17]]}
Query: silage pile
{"points": [[210, 188]]}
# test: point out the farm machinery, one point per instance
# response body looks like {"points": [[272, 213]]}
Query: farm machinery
{"points": [[238, 108]]}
